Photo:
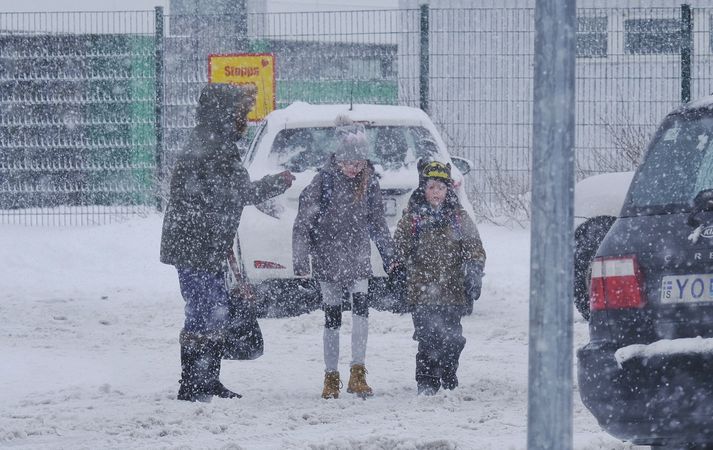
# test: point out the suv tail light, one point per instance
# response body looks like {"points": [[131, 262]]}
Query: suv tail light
{"points": [[616, 283]]}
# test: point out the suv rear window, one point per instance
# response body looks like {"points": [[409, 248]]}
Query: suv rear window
{"points": [[300, 149], [677, 165]]}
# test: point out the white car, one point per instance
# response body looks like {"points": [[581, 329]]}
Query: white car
{"points": [[597, 203], [300, 138]]}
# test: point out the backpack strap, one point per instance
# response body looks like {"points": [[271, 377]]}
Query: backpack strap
{"points": [[414, 225], [457, 223], [325, 194], [415, 232]]}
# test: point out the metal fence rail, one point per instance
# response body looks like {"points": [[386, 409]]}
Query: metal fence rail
{"points": [[91, 102]]}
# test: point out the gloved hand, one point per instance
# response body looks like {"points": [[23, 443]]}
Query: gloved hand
{"points": [[473, 282], [281, 181], [284, 179], [397, 289], [287, 178]]}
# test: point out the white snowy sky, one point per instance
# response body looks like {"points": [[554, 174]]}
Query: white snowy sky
{"points": [[122, 5]]}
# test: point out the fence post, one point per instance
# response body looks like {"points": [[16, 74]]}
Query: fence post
{"points": [[158, 102], [686, 50], [423, 66], [242, 26]]}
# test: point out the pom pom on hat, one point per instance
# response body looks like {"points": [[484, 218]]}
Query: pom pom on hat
{"points": [[353, 144]]}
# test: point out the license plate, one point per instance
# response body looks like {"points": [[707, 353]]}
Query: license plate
{"points": [[390, 206], [687, 288]]}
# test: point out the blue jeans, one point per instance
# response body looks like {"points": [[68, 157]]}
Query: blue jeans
{"points": [[206, 300]]}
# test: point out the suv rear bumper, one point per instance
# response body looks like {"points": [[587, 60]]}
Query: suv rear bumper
{"points": [[659, 400]]}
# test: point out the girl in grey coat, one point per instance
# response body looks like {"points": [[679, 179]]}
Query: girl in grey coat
{"points": [[340, 211]]}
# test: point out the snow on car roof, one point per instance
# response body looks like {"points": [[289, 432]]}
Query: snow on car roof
{"points": [[601, 194], [700, 103], [301, 114]]}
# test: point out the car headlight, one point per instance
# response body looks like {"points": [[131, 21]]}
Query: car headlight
{"points": [[271, 207]]}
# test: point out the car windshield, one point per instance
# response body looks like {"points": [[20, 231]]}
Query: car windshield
{"points": [[677, 166], [300, 149]]}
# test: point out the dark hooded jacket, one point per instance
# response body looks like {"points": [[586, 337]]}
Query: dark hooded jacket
{"points": [[209, 185], [335, 227], [433, 245]]}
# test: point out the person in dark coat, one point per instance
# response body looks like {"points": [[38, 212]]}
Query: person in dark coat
{"points": [[440, 249], [209, 188], [340, 212]]}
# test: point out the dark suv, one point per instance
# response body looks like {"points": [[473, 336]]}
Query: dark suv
{"points": [[647, 372]]}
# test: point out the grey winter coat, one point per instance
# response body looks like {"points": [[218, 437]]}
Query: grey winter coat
{"points": [[210, 187], [335, 227]]}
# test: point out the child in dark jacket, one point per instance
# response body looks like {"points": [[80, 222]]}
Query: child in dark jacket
{"points": [[340, 212], [440, 249]]}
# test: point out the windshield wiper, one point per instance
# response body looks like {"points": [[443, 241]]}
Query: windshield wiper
{"points": [[702, 202]]}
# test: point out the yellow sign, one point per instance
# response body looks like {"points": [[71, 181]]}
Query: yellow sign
{"points": [[247, 68]]}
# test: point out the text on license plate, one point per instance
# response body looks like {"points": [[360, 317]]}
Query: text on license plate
{"points": [[687, 288]]}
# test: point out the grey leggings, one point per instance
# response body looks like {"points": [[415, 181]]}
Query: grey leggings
{"points": [[332, 296]]}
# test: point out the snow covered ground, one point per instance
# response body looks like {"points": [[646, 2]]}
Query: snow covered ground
{"points": [[89, 341]]}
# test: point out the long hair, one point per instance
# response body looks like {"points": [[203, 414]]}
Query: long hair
{"points": [[363, 185], [364, 177]]}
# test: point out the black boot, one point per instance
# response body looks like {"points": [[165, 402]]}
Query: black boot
{"points": [[449, 380], [427, 385], [450, 357], [449, 367], [195, 360], [215, 387], [428, 380]]}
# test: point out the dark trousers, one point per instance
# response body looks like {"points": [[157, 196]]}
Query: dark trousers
{"points": [[206, 301], [440, 342]]}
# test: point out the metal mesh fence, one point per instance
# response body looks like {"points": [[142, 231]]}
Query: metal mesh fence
{"points": [[78, 135], [624, 92], [321, 57], [481, 97], [629, 75], [77, 141]]}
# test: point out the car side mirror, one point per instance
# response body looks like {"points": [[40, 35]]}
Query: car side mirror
{"points": [[243, 147], [464, 165]]}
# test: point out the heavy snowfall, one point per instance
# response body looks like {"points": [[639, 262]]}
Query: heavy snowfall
{"points": [[90, 359]]}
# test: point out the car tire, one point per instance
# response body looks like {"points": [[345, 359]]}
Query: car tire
{"points": [[587, 238]]}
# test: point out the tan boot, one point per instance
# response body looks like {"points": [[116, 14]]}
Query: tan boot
{"points": [[331, 385], [357, 382]]}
